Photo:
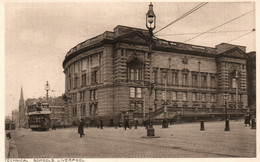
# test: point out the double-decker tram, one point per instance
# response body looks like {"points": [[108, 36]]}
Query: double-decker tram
{"points": [[39, 117]]}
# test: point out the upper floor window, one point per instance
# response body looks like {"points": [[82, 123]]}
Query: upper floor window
{"points": [[174, 78], [212, 81], [163, 95], [74, 111], [135, 92], [194, 96], [184, 96], [203, 97], [75, 82], [83, 79], [234, 83], [94, 76], [83, 110], [174, 95], [203, 81], [184, 79], [82, 96], [155, 76], [93, 94], [194, 80], [164, 77], [213, 97], [135, 70], [233, 97]]}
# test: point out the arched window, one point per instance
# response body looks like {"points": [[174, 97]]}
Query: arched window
{"points": [[135, 70]]}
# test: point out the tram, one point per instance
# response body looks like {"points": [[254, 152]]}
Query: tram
{"points": [[39, 117]]}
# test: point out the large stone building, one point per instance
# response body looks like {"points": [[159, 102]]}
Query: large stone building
{"points": [[251, 77], [109, 75]]}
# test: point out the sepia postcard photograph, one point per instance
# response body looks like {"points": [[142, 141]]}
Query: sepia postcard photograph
{"points": [[128, 80]]}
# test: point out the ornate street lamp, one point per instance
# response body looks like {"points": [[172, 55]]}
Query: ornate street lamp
{"points": [[150, 20], [236, 76], [225, 96], [47, 88], [150, 24]]}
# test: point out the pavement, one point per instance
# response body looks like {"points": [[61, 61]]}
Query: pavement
{"points": [[177, 141]]}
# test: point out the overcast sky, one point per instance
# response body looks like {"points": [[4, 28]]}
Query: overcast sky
{"points": [[38, 35]]}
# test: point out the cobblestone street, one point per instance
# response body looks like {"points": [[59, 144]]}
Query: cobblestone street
{"points": [[180, 140]]}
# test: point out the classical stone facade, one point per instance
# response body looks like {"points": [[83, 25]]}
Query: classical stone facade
{"points": [[109, 75]]}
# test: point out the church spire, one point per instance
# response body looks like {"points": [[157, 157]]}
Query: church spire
{"points": [[21, 95]]}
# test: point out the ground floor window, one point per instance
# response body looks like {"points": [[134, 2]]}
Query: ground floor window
{"points": [[74, 111]]}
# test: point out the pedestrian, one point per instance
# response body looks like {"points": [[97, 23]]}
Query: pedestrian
{"points": [[53, 126], [126, 124], [101, 124], [81, 128], [136, 123], [247, 120]]}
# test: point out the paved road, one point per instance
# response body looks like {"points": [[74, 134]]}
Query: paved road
{"points": [[181, 140]]}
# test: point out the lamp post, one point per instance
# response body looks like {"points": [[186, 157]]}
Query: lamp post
{"points": [[236, 76], [150, 25], [165, 102], [225, 96], [47, 88]]}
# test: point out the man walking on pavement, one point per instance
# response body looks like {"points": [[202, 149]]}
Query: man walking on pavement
{"points": [[81, 128]]}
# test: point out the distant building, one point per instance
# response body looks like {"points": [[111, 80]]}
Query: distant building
{"points": [[108, 75], [59, 111], [15, 117]]}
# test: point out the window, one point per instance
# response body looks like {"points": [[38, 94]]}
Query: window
{"points": [[194, 96], [83, 80], [132, 92], [134, 74], [194, 80], [74, 111], [239, 97], [135, 92], [70, 83], [84, 64], [233, 97], [139, 93], [155, 76], [93, 94], [203, 97], [74, 97], [164, 77], [76, 82], [83, 110], [95, 109], [234, 83], [184, 79], [137, 74], [184, 96], [174, 95], [134, 69], [94, 77], [163, 95], [156, 95], [90, 109], [76, 67], [204, 81], [213, 97], [212, 81], [174, 79], [82, 96]]}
